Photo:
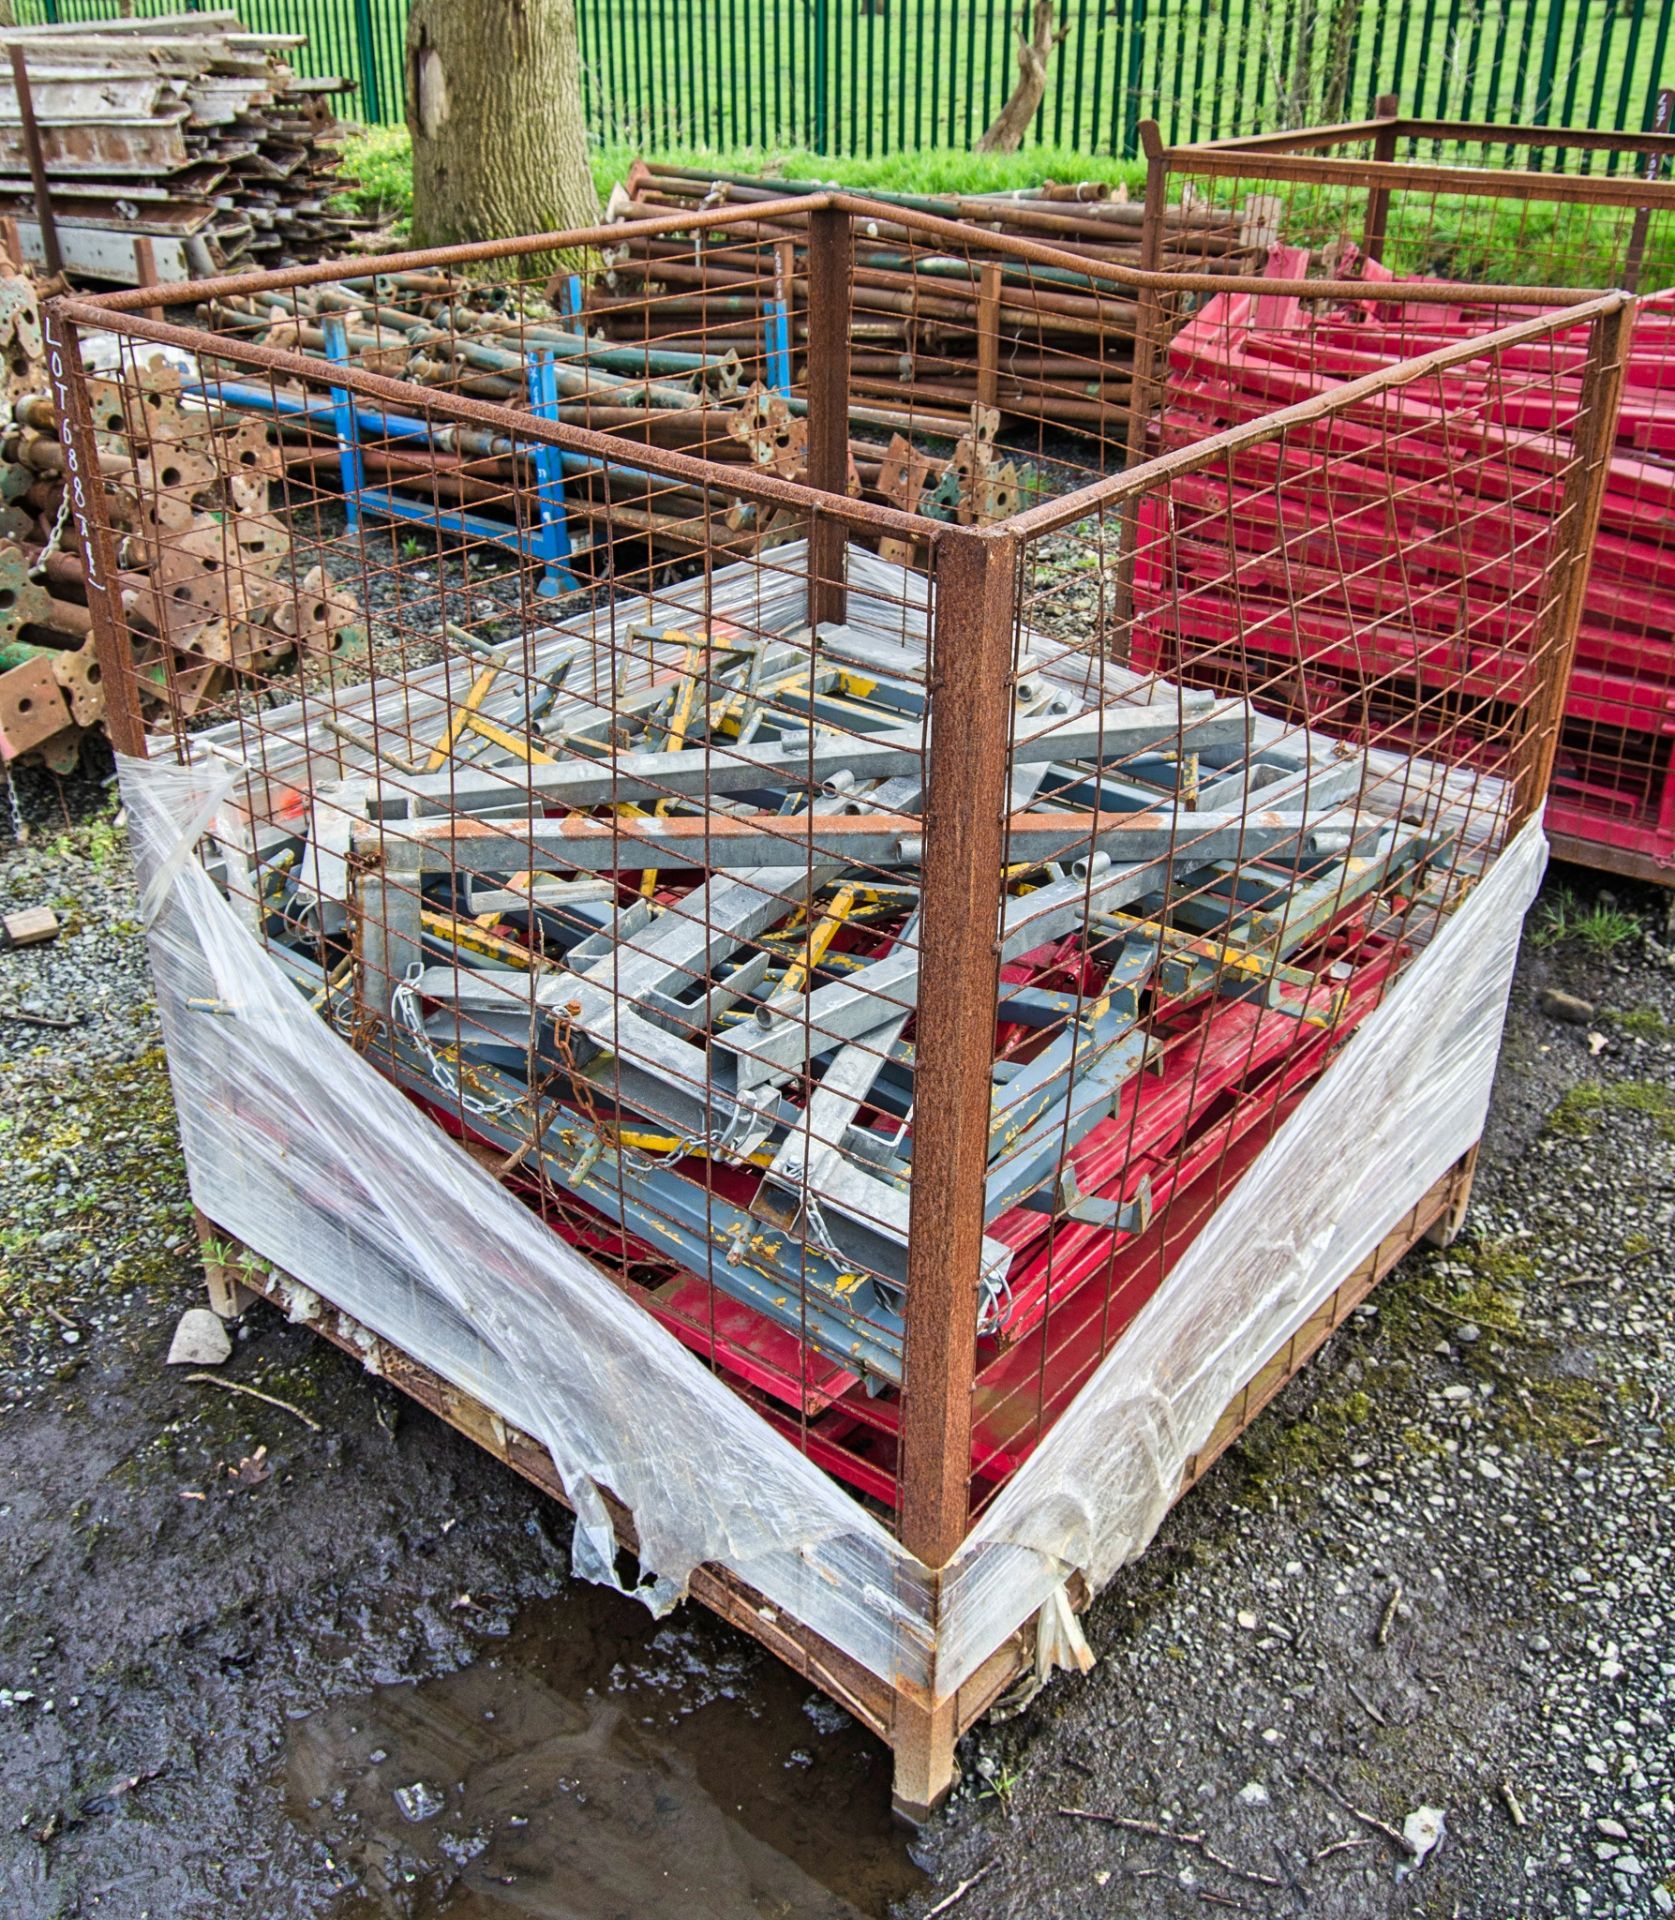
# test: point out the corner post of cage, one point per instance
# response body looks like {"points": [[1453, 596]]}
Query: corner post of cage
{"points": [[91, 520], [1584, 492], [35, 156], [1634, 258], [922, 1743], [1151, 360], [1151, 316], [830, 263], [1387, 107], [969, 699]]}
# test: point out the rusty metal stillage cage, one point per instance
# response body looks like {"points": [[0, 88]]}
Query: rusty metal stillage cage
{"points": [[937, 1017], [1421, 200]]}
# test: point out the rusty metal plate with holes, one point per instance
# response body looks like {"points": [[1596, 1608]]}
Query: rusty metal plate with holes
{"points": [[32, 707]]}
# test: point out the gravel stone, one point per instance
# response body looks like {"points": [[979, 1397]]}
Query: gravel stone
{"points": [[1570, 1007]]}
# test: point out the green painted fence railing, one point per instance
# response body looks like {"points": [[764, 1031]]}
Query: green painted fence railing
{"points": [[869, 77]]}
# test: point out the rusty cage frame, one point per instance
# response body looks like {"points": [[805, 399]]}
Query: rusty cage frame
{"points": [[1559, 205], [980, 602]]}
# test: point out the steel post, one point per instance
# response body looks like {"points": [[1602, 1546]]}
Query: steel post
{"points": [[1151, 366], [90, 518], [830, 263], [988, 335], [975, 580], [348, 428], [37, 160], [1554, 648], [1378, 201], [1634, 258], [366, 49], [922, 1741]]}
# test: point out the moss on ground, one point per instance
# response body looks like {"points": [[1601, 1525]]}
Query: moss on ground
{"points": [[1577, 1113], [113, 1133], [1480, 1283], [1284, 1458], [1641, 1023]]}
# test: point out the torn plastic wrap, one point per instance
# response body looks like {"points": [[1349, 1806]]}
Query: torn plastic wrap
{"points": [[1402, 1102], [300, 1149], [297, 1146]]}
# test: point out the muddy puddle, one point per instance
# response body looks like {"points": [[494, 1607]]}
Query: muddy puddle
{"points": [[599, 1765]]}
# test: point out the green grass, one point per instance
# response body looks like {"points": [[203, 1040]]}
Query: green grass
{"points": [[1561, 917], [381, 160], [1441, 236], [931, 170], [1450, 237]]}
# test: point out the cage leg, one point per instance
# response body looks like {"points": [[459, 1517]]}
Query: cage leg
{"points": [[923, 1746], [830, 263], [1445, 1229], [228, 1296]]}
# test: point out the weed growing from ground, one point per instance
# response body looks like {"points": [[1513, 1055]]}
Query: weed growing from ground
{"points": [[1601, 929]]}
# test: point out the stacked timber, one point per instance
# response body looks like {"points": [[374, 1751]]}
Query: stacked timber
{"points": [[185, 133], [936, 332], [204, 564]]}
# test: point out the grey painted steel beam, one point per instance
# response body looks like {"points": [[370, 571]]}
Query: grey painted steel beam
{"points": [[1101, 737], [853, 838]]}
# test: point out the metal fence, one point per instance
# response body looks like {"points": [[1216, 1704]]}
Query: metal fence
{"points": [[872, 77]]}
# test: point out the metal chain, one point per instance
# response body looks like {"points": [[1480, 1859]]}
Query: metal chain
{"points": [[20, 830], [38, 570], [719, 1143], [820, 1233], [995, 1310], [404, 1004]]}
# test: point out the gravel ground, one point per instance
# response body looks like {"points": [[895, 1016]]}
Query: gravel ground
{"points": [[1436, 1575], [1439, 1573]]}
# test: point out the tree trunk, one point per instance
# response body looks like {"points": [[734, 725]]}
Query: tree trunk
{"points": [[1340, 41], [1035, 49], [494, 105], [1300, 93]]}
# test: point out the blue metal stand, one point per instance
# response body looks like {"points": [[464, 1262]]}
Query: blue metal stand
{"points": [[548, 541], [552, 540], [779, 345]]}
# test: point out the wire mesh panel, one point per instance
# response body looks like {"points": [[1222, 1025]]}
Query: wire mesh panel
{"points": [[1048, 344], [877, 927], [1552, 207]]}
